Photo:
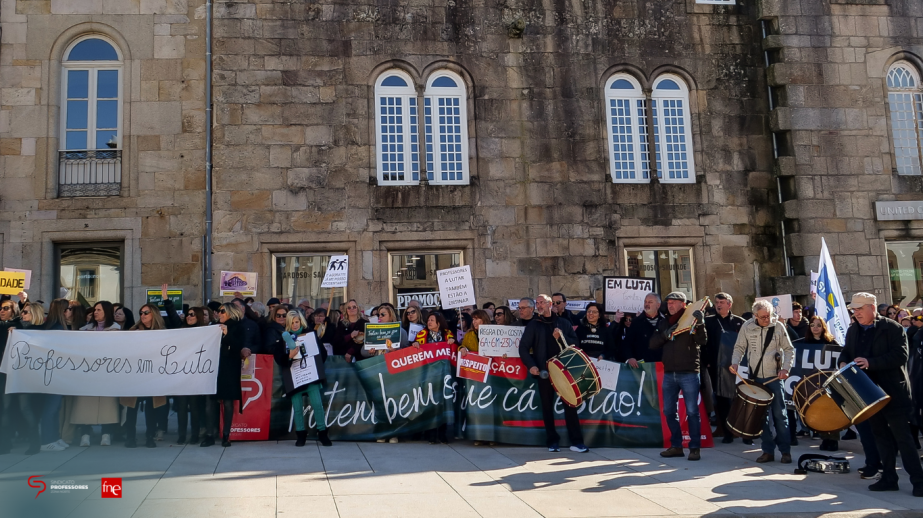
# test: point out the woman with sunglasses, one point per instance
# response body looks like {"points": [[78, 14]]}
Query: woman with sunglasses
{"points": [[233, 349], [33, 318], [818, 333], [413, 315], [503, 316], [287, 353], [149, 319], [75, 316], [97, 410], [190, 405], [350, 335]]}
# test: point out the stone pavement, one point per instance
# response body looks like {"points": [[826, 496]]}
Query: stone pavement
{"points": [[413, 479]]}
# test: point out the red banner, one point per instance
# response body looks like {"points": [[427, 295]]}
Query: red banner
{"points": [[473, 367], [512, 368], [253, 423], [707, 440], [413, 357]]}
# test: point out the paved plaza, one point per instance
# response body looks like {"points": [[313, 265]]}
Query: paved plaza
{"points": [[414, 479]]}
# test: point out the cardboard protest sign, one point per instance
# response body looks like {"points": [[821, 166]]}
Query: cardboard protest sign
{"points": [[11, 283], [456, 287], [608, 373], [782, 304], [337, 273], [28, 275], [626, 294], [513, 304], [377, 335], [473, 367], [243, 282], [499, 341]]}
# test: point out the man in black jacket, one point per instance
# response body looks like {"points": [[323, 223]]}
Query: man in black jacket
{"points": [[681, 374], [539, 344], [635, 346], [879, 347], [722, 329], [559, 308], [796, 326]]}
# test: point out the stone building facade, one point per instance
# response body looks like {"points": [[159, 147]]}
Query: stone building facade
{"points": [[548, 197]]}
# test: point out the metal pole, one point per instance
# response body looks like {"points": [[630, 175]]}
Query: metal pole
{"points": [[206, 296]]}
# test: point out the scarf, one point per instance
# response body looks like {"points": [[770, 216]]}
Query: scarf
{"points": [[675, 318]]}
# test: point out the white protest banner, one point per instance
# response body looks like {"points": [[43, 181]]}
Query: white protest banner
{"points": [[28, 274], [626, 294], [337, 272], [814, 276], [513, 304], [181, 362], [413, 329], [455, 287], [499, 341], [782, 304], [233, 282], [578, 305], [309, 342], [608, 373]]}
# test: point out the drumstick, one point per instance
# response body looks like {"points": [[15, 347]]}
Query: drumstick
{"points": [[767, 382], [741, 378]]}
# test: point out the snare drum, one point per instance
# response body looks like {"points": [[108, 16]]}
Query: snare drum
{"points": [[748, 412], [855, 393], [815, 406], [573, 376]]}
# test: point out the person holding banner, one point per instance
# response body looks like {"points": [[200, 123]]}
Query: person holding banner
{"points": [[233, 349], [93, 410], [350, 332], [190, 409], [681, 374], [470, 341], [770, 355], [878, 346], [541, 341], [437, 330], [413, 315], [386, 314], [594, 335], [526, 311], [289, 354], [148, 319], [819, 334], [50, 422], [33, 318]]}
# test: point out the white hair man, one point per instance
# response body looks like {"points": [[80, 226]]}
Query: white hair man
{"points": [[764, 341]]}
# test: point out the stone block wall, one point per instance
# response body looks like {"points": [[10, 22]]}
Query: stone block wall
{"points": [[159, 215], [295, 146]]}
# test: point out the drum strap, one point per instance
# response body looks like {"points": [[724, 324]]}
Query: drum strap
{"points": [[766, 342]]}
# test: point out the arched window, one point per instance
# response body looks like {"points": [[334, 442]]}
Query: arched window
{"points": [[92, 96], [396, 129], [626, 115], [672, 130], [905, 101], [445, 126]]}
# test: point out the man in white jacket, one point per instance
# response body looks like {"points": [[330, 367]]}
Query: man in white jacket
{"points": [[770, 356]]}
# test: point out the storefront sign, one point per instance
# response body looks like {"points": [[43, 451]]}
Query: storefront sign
{"points": [[428, 299], [626, 294], [898, 210], [498, 341], [28, 274], [11, 283], [337, 272], [456, 287], [234, 282], [377, 335]]}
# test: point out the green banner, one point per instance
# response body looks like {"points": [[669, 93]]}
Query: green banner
{"points": [[156, 297], [379, 334], [365, 401]]}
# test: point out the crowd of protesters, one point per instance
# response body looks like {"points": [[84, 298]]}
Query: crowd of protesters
{"points": [[56, 422]]}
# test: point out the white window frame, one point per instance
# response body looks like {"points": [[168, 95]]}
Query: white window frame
{"points": [[642, 168], [92, 68], [916, 113], [432, 94], [659, 96], [407, 93]]}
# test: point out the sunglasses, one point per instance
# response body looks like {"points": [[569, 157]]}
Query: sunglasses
{"points": [[558, 303], [145, 312], [26, 313], [411, 312], [352, 307], [280, 315], [7, 308], [383, 315], [190, 315], [222, 312], [68, 309]]}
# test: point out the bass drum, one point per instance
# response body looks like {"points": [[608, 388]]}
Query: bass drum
{"points": [[815, 406], [748, 412], [573, 376]]}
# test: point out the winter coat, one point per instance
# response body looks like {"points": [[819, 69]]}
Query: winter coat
{"points": [[637, 342], [750, 344], [423, 337], [887, 355], [681, 353], [344, 342], [280, 353], [798, 331], [538, 344], [95, 409], [595, 340], [228, 387]]}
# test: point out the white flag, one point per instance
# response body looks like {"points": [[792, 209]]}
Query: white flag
{"points": [[831, 306]]}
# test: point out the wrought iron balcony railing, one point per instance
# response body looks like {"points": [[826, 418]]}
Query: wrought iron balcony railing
{"points": [[90, 173]]}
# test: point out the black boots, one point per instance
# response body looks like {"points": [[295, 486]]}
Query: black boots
{"points": [[323, 438], [207, 441], [302, 437], [226, 441]]}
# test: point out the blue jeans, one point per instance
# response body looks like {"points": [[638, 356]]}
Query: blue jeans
{"points": [[49, 426], [688, 383], [779, 421]]}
